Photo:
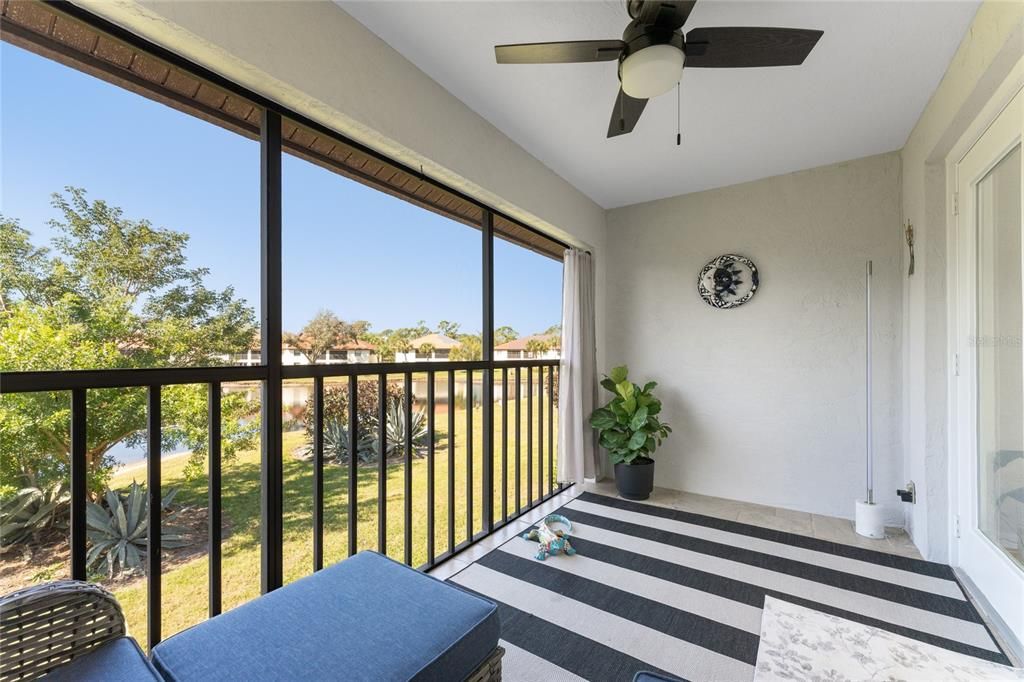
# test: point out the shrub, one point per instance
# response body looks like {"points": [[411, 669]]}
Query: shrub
{"points": [[118, 529], [336, 405], [29, 512]]}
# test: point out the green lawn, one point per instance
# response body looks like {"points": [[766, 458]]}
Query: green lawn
{"points": [[185, 586]]}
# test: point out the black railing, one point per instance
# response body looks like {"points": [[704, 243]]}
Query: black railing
{"points": [[537, 389], [497, 468]]}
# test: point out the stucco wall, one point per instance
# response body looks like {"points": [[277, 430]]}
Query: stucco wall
{"points": [[993, 44], [318, 60], [767, 400]]}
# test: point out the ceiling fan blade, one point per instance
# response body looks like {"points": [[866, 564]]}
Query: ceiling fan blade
{"points": [[663, 13], [625, 114], [559, 53], [727, 47]]}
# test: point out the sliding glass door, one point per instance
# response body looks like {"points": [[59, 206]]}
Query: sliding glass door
{"points": [[990, 390]]}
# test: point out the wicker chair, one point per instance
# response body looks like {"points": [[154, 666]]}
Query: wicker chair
{"points": [[46, 626], [490, 669]]}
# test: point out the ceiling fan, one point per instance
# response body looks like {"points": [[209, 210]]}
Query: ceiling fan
{"points": [[653, 51]]}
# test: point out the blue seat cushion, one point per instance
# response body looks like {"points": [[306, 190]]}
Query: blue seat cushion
{"points": [[120, 660], [366, 618]]}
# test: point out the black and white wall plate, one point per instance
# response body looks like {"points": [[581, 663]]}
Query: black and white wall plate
{"points": [[728, 281]]}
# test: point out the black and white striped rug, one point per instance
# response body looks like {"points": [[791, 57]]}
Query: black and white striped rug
{"points": [[659, 589]]}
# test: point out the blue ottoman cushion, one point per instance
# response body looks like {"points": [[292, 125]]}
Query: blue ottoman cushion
{"points": [[120, 660], [366, 618]]}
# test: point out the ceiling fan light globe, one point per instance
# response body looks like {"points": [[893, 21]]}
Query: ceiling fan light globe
{"points": [[652, 71]]}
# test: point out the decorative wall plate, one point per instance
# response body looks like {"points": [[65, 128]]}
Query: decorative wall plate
{"points": [[728, 281]]}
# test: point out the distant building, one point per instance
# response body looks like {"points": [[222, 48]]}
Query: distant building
{"points": [[349, 352], [517, 348], [428, 348]]}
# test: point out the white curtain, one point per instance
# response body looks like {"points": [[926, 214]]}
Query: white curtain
{"points": [[578, 455]]}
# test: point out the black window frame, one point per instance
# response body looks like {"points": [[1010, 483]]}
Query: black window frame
{"points": [[271, 372]]}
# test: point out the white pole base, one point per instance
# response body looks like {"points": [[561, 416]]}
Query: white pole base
{"points": [[870, 520]]}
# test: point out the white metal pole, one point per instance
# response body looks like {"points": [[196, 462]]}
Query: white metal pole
{"points": [[869, 449]]}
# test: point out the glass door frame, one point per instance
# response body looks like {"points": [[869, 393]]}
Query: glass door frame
{"points": [[992, 572]]}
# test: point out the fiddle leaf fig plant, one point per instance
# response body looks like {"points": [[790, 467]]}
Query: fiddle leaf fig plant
{"points": [[628, 426]]}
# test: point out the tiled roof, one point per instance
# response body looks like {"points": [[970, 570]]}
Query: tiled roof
{"points": [[438, 341]]}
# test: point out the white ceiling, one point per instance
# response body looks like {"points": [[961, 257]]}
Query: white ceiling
{"points": [[859, 93]]}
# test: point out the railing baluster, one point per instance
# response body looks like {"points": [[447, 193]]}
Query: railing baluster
{"points": [[529, 436], [519, 441], [551, 428], [79, 483], [213, 491], [469, 455], [430, 468], [408, 468], [382, 464], [153, 436], [487, 451], [451, 460], [487, 376], [353, 460], [318, 473], [540, 432], [504, 444]]}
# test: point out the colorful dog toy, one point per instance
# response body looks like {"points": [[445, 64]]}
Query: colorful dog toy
{"points": [[552, 541]]}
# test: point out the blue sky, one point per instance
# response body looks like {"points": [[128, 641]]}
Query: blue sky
{"points": [[359, 252]]}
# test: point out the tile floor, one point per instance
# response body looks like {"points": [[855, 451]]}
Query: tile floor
{"points": [[814, 525], [801, 523]]}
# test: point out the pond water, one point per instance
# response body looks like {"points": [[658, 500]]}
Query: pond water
{"points": [[294, 396]]}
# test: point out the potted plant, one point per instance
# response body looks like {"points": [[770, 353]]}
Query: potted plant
{"points": [[630, 431]]}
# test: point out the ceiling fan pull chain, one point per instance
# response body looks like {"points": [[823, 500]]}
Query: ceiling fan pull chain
{"points": [[622, 116], [679, 118]]}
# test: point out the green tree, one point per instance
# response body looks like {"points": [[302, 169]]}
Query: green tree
{"points": [[504, 335], [110, 292], [401, 343], [21, 263], [553, 330], [449, 329], [537, 346], [356, 330], [470, 348], [322, 333], [391, 341]]}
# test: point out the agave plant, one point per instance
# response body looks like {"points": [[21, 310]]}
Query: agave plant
{"points": [[396, 429], [336, 443], [336, 435], [119, 529], [29, 512]]}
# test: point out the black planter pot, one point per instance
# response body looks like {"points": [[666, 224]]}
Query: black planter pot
{"points": [[635, 481]]}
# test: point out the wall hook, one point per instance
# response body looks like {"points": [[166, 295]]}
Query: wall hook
{"points": [[909, 231]]}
